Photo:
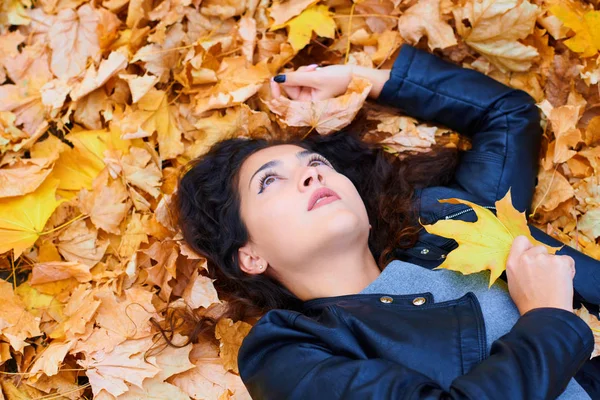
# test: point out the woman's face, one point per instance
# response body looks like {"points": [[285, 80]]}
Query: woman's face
{"points": [[284, 234]]}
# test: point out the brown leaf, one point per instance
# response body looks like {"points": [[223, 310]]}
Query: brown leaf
{"points": [[551, 190], [80, 243], [133, 236], [106, 204], [109, 370], [17, 324], [282, 12], [24, 176], [137, 168], [231, 336], [594, 325], [57, 270], [326, 116], [200, 292], [73, 39], [424, 19]]}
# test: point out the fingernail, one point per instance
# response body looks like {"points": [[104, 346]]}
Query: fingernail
{"points": [[313, 65], [279, 78]]}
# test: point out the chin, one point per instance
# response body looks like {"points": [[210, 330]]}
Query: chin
{"points": [[343, 221]]}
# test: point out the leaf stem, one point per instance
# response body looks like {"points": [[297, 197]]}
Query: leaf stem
{"points": [[349, 31], [80, 216]]}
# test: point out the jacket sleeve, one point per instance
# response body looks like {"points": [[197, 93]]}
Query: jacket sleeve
{"points": [[503, 123], [282, 358]]}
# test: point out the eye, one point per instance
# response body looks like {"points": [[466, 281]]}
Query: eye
{"points": [[263, 178], [271, 173], [320, 158]]}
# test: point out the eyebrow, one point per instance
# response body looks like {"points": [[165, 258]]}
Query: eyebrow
{"points": [[274, 163]]}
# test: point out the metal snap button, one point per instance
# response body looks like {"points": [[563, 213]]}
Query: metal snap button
{"points": [[425, 251], [419, 301], [386, 299], [443, 256]]}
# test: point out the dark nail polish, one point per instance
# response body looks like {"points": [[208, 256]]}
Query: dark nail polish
{"points": [[279, 78]]}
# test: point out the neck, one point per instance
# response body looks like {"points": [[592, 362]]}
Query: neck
{"points": [[330, 276]]}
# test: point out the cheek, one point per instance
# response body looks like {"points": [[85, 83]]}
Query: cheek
{"points": [[273, 218]]}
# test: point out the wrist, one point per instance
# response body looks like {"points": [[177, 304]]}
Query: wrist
{"points": [[377, 77]]}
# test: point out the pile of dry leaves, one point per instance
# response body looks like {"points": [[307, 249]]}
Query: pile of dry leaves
{"points": [[102, 103]]}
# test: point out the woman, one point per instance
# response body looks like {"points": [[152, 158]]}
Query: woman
{"points": [[336, 325]]}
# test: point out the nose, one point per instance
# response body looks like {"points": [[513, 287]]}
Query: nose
{"points": [[309, 176]]}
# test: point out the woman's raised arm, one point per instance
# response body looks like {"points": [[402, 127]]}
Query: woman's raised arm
{"points": [[503, 123]]}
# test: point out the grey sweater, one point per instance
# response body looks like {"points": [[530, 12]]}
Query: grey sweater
{"points": [[499, 311]]}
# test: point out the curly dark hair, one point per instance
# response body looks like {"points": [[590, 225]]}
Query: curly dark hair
{"points": [[207, 210]]}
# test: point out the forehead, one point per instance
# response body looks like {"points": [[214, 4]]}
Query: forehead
{"points": [[260, 157], [254, 161]]}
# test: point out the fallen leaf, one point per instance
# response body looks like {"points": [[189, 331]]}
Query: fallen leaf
{"points": [[283, 11], [111, 370], [73, 39], [424, 19], [24, 176], [58, 270], [200, 292], [316, 18], [16, 324], [551, 190], [80, 243], [107, 204], [137, 168], [494, 27], [238, 81], [139, 85], [587, 38], [94, 79], [51, 358], [486, 243], [154, 114], [231, 336], [589, 224], [594, 325], [22, 218]]}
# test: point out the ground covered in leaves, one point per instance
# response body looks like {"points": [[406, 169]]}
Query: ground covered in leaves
{"points": [[102, 103]]}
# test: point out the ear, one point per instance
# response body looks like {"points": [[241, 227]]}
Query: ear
{"points": [[251, 263]]}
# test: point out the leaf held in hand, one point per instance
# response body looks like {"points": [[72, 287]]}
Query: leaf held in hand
{"points": [[486, 243], [328, 115]]}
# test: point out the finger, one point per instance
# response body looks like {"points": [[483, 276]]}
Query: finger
{"points": [[535, 250], [275, 90], [305, 94], [298, 78], [520, 244], [570, 262], [310, 67], [292, 92]]}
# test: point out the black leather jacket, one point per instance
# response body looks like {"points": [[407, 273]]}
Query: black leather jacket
{"points": [[364, 346]]}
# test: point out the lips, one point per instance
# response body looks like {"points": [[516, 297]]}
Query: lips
{"points": [[319, 193]]}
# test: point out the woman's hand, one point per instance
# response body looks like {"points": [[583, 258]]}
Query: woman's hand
{"points": [[537, 278], [313, 83]]}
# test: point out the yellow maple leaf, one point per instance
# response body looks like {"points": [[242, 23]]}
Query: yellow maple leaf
{"points": [[23, 218], [315, 18], [76, 168], [484, 244], [155, 114], [585, 25]]}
